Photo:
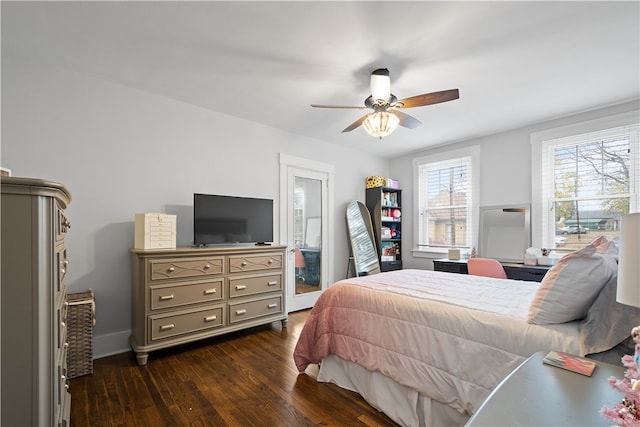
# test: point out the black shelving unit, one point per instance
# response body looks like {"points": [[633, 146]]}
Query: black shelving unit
{"points": [[385, 207]]}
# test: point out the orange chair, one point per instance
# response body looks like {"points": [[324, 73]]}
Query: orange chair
{"points": [[486, 267]]}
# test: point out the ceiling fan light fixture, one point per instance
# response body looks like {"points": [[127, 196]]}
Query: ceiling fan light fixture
{"points": [[380, 124], [380, 85]]}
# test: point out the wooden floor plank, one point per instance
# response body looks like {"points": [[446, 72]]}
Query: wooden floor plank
{"points": [[245, 378]]}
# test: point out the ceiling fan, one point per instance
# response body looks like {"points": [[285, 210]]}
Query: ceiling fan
{"points": [[385, 116]]}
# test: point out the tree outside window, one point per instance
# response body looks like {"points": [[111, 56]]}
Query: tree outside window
{"points": [[593, 183]]}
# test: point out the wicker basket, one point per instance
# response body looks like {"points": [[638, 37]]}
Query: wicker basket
{"points": [[80, 321]]}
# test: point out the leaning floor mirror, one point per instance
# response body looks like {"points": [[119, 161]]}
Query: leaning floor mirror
{"points": [[363, 249]]}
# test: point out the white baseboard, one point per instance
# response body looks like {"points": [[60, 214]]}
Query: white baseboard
{"points": [[110, 344]]}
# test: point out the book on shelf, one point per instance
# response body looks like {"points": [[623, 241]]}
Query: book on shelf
{"points": [[570, 362], [390, 199], [389, 251]]}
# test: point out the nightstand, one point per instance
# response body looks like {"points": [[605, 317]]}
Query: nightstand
{"points": [[535, 394]]}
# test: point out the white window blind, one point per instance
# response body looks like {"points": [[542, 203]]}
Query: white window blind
{"points": [[588, 181], [445, 198]]}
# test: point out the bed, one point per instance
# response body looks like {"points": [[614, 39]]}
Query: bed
{"points": [[427, 347]]}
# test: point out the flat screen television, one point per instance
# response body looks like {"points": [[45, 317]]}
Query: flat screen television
{"points": [[228, 219]]}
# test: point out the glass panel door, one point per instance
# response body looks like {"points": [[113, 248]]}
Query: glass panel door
{"points": [[305, 203]]}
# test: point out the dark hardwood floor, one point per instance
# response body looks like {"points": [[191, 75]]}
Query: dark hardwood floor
{"points": [[241, 379]]}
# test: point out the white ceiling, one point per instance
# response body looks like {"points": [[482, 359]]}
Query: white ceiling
{"points": [[515, 63]]}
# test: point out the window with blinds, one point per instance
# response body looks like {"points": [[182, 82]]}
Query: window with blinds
{"points": [[445, 203], [589, 181]]}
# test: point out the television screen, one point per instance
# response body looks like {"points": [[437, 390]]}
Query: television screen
{"points": [[227, 219]]}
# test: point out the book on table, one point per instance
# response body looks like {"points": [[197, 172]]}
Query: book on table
{"points": [[570, 362]]}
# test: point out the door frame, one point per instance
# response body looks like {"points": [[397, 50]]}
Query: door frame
{"points": [[290, 164]]}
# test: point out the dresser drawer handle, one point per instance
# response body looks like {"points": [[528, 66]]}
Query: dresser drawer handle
{"points": [[171, 269], [208, 266], [272, 283], [240, 287], [239, 312], [210, 318], [270, 261], [210, 291], [272, 305], [244, 263], [166, 297], [66, 345], [167, 327]]}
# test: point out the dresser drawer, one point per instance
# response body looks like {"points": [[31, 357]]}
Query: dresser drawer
{"points": [[165, 326], [240, 263], [62, 225], [161, 242], [185, 268], [63, 266], [530, 274], [194, 293], [251, 285], [61, 330], [62, 381], [450, 266], [241, 311]]}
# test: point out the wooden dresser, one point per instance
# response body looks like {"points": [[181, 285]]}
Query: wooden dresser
{"points": [[34, 264], [186, 294]]}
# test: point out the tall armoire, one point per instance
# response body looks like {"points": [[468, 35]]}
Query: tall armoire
{"points": [[33, 294]]}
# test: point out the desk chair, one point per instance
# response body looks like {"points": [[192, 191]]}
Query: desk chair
{"points": [[300, 264], [486, 267]]}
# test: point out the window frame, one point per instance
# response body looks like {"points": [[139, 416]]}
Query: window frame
{"points": [[473, 153], [542, 146]]}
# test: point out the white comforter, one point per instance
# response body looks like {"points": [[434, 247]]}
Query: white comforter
{"points": [[450, 337]]}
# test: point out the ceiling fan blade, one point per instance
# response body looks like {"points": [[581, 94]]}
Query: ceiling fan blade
{"points": [[428, 99], [355, 124], [347, 107], [406, 120]]}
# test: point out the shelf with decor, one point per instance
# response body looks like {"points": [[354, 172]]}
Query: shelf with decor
{"points": [[385, 207]]}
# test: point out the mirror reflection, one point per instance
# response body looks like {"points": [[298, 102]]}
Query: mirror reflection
{"points": [[505, 232], [307, 234]]}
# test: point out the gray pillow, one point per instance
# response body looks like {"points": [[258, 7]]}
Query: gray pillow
{"points": [[608, 322], [571, 286]]}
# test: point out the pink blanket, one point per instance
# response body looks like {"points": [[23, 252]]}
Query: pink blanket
{"points": [[413, 327]]}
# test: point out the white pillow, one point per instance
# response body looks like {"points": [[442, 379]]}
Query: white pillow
{"points": [[571, 286]]}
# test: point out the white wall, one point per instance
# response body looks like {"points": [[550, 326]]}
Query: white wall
{"points": [[121, 151], [505, 171]]}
